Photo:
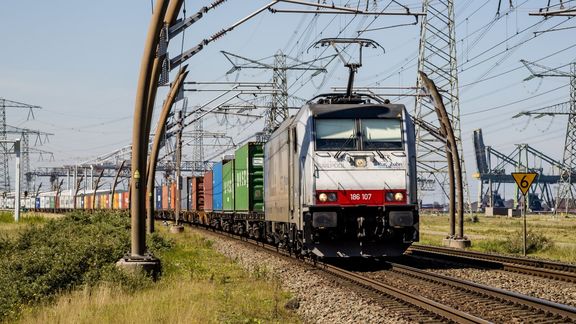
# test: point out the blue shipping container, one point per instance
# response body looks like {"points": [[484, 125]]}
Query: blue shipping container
{"points": [[158, 198], [217, 187]]}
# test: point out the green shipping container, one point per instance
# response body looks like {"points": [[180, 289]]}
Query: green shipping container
{"points": [[250, 178], [228, 186]]}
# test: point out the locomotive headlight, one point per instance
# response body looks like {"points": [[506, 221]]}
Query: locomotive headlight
{"points": [[398, 196], [332, 196], [360, 162], [323, 197], [389, 196]]}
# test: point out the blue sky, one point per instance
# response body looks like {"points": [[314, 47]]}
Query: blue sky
{"points": [[80, 61]]}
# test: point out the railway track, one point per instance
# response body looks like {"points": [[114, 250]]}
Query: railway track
{"points": [[491, 304], [539, 268], [415, 308], [488, 303]]}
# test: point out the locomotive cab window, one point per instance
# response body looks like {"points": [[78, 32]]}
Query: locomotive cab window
{"points": [[335, 134], [381, 134], [358, 134]]}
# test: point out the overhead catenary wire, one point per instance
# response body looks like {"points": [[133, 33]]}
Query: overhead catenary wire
{"points": [[514, 102]]}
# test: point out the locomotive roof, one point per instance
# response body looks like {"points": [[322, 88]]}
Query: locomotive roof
{"points": [[356, 110]]}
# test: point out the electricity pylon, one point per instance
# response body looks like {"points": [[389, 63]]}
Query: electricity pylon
{"points": [[4, 170], [278, 110], [437, 58], [565, 192]]}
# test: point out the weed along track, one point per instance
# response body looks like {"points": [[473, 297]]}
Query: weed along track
{"points": [[422, 296]]}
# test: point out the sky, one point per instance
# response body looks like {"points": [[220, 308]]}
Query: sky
{"points": [[80, 61]]}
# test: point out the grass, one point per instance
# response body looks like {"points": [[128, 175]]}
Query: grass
{"points": [[10, 229], [42, 261], [552, 236], [198, 286]]}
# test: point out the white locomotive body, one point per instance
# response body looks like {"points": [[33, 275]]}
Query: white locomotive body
{"points": [[340, 179]]}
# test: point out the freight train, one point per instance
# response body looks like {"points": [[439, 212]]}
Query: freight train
{"points": [[338, 179]]}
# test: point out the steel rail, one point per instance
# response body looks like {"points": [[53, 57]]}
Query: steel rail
{"points": [[542, 307], [539, 268], [430, 306], [408, 297], [565, 311]]}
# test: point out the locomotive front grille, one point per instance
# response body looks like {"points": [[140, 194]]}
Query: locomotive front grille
{"points": [[402, 218], [324, 219]]}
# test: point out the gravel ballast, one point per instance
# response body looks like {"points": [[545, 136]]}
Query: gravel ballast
{"points": [[318, 299], [549, 289]]}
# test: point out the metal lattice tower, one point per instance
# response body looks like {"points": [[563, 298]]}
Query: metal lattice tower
{"points": [[198, 147], [4, 160], [25, 162], [26, 150], [437, 58], [278, 112], [4, 171], [565, 192], [569, 158]]}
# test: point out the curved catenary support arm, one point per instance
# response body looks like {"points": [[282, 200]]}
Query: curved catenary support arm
{"points": [[139, 150], [96, 189], [445, 122], [77, 189], [115, 184], [176, 86], [169, 20]]}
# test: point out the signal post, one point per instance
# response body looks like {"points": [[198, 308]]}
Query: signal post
{"points": [[524, 182]]}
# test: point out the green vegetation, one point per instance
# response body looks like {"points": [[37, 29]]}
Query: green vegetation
{"points": [[10, 229], [45, 260], [63, 271], [535, 242], [548, 236], [198, 286], [25, 218], [6, 217]]}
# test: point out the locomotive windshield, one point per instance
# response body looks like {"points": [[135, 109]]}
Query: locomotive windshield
{"points": [[381, 134], [358, 134], [335, 134]]}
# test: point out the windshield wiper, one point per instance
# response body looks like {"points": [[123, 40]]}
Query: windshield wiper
{"points": [[343, 146]]}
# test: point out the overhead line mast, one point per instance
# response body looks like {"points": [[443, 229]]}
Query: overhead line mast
{"points": [[437, 58], [565, 190], [4, 169], [278, 110]]}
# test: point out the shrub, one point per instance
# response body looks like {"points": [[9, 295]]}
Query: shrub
{"points": [[473, 219], [156, 243], [535, 242], [79, 248]]}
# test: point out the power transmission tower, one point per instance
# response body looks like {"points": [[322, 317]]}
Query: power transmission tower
{"points": [[278, 110], [437, 58], [198, 147], [4, 169], [26, 150], [565, 192]]}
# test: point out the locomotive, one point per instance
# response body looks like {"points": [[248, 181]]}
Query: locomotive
{"points": [[340, 179]]}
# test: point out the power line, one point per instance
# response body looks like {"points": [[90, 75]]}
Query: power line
{"points": [[514, 102]]}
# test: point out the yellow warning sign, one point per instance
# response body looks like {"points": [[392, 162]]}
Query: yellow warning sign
{"points": [[524, 180]]}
